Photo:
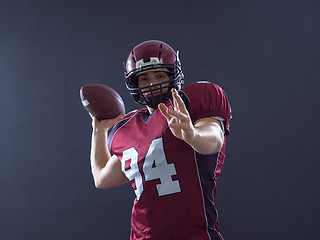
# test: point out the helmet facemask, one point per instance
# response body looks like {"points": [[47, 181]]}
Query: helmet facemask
{"points": [[153, 55], [157, 93]]}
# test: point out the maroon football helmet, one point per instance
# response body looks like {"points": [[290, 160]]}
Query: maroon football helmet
{"points": [[153, 55]]}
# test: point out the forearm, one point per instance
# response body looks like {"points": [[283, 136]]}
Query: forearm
{"points": [[99, 152], [207, 139]]}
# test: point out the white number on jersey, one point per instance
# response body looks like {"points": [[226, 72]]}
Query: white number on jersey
{"points": [[132, 173], [154, 167]]}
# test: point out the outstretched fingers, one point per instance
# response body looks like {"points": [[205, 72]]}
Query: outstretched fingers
{"points": [[179, 115], [164, 111], [178, 102], [170, 114]]}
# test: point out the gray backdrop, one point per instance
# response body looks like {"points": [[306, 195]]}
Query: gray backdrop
{"points": [[265, 54]]}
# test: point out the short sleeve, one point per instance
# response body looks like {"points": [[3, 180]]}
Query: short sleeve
{"points": [[208, 100]]}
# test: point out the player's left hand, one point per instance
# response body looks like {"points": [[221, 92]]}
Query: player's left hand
{"points": [[178, 119]]}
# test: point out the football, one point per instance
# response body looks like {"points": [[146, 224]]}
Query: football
{"points": [[101, 101]]}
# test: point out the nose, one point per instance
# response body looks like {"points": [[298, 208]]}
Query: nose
{"points": [[153, 86]]}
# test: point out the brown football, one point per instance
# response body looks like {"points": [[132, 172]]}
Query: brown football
{"points": [[101, 101]]}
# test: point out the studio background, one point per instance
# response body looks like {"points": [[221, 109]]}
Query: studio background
{"points": [[264, 54]]}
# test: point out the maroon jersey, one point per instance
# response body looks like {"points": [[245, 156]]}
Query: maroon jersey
{"points": [[175, 186]]}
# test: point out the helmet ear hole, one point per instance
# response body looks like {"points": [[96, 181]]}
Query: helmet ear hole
{"points": [[134, 81]]}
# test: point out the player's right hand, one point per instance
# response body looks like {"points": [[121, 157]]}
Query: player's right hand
{"points": [[104, 125]]}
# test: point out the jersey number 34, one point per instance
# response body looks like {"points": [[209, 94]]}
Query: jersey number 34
{"points": [[155, 166]]}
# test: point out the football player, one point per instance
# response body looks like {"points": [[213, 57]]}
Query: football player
{"points": [[171, 151]]}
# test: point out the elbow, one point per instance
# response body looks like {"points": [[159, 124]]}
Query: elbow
{"points": [[102, 182], [209, 146], [216, 145], [98, 183], [214, 149], [219, 145]]}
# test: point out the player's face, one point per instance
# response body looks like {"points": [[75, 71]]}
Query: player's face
{"points": [[151, 79]]}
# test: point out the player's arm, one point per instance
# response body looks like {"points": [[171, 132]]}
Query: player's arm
{"points": [[205, 136], [106, 169]]}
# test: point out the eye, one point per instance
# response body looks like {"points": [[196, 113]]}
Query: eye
{"points": [[161, 75], [143, 79]]}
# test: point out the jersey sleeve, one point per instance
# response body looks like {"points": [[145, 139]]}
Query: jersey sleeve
{"points": [[208, 100]]}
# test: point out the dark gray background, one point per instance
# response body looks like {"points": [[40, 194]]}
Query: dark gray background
{"points": [[265, 54]]}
